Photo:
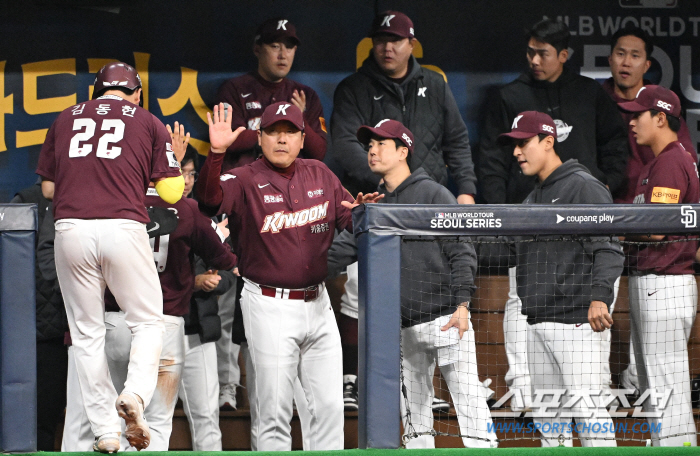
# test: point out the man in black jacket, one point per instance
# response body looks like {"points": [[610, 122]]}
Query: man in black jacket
{"points": [[430, 305], [566, 289], [391, 84], [589, 129]]}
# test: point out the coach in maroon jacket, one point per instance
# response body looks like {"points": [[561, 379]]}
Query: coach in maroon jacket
{"points": [[275, 45], [284, 211]]}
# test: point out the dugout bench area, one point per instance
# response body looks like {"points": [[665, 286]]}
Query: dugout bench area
{"points": [[487, 317]]}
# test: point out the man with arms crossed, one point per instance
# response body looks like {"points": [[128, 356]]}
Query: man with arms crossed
{"points": [[566, 289], [284, 211], [663, 292], [96, 163], [452, 267]]}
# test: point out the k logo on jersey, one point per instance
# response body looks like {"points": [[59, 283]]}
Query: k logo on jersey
{"points": [[280, 220]]}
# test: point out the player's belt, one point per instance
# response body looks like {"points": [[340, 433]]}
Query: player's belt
{"points": [[307, 294]]}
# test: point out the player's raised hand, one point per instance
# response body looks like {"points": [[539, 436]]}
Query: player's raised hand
{"points": [[220, 134], [599, 317], [299, 99], [363, 199], [459, 320], [180, 140]]}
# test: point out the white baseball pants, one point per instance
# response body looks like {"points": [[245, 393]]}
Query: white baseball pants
{"points": [[662, 312], [92, 254], [350, 302], [289, 339], [199, 391], [569, 358], [468, 394], [515, 333], [302, 405], [159, 413]]}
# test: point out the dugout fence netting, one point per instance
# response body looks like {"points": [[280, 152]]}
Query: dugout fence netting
{"points": [[530, 370]]}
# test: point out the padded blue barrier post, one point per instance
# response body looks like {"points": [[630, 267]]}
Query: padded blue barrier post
{"points": [[379, 338], [18, 223]]}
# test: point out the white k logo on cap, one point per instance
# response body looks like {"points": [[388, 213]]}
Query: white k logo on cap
{"points": [[387, 19], [282, 109], [381, 122], [281, 24], [515, 122]]}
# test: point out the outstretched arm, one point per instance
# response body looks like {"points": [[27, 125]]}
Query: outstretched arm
{"points": [[363, 199]]}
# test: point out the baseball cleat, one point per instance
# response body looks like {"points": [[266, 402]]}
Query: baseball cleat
{"points": [[107, 443], [227, 397], [130, 408], [350, 393]]}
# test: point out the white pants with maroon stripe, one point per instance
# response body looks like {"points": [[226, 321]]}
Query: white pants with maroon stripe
{"points": [[92, 254], [290, 338], [662, 312]]}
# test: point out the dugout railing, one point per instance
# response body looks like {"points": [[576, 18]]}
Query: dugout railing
{"points": [[18, 224], [378, 228]]}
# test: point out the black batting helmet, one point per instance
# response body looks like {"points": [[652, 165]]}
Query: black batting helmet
{"points": [[114, 76]]}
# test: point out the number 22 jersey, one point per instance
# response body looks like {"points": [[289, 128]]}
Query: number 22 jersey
{"points": [[101, 155]]}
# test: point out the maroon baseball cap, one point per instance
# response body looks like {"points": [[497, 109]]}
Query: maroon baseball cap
{"points": [[654, 97], [280, 111], [275, 30], [387, 128], [392, 23], [530, 123]]}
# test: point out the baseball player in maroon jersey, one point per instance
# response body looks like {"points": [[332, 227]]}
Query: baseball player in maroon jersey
{"points": [[630, 59], [663, 291], [173, 255], [275, 45], [96, 163], [284, 211]]}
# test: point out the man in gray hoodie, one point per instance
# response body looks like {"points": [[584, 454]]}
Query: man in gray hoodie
{"points": [[435, 306], [566, 288]]}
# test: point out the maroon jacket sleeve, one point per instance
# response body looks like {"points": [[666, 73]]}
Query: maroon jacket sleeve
{"points": [[207, 244], [208, 186], [315, 140], [228, 93]]}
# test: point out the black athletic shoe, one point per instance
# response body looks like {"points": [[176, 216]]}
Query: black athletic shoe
{"points": [[350, 392], [440, 405]]}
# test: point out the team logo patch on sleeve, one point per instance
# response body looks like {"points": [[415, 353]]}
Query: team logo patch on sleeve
{"points": [[323, 124], [665, 195], [172, 161]]}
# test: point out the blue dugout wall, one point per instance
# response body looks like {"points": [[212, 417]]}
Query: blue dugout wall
{"points": [[51, 49], [18, 223]]}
